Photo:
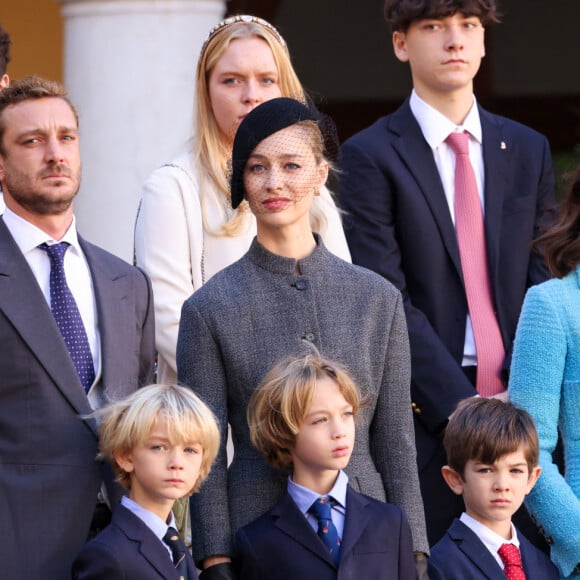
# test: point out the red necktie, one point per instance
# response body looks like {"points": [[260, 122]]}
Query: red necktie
{"points": [[510, 556], [472, 250]]}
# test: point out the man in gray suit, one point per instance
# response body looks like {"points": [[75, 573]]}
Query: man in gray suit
{"points": [[50, 482]]}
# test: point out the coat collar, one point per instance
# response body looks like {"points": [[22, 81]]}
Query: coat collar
{"points": [[150, 547], [475, 550], [24, 305], [289, 519], [498, 154]]}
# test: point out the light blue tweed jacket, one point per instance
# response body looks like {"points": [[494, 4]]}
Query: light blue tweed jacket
{"points": [[545, 380]]}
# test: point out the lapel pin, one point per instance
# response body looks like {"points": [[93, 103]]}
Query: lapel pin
{"points": [[502, 145]]}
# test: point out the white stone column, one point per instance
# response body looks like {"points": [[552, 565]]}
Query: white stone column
{"points": [[130, 68]]}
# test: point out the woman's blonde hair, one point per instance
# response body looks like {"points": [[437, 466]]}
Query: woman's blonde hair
{"points": [[127, 423], [210, 152], [281, 401]]}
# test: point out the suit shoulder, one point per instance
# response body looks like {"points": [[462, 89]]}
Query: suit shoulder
{"points": [[261, 525], [544, 567], [379, 509], [110, 540], [369, 134], [515, 129], [111, 261]]}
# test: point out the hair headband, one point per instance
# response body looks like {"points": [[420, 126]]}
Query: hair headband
{"points": [[242, 18]]}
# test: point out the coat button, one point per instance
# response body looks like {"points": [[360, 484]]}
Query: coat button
{"points": [[309, 336], [301, 284]]}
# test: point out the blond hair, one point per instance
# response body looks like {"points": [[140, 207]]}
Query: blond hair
{"points": [[210, 151], [281, 401], [127, 423]]}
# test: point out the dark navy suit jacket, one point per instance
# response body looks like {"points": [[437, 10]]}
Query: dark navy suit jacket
{"points": [[127, 550], [282, 545], [398, 224], [461, 555]]}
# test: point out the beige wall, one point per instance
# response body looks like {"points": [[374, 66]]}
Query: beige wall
{"points": [[35, 28]]}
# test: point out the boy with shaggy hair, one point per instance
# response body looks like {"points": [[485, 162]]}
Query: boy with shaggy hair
{"points": [[492, 451], [301, 419], [161, 441]]}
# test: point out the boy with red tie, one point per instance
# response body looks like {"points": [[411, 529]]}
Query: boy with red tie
{"points": [[302, 418], [492, 451]]}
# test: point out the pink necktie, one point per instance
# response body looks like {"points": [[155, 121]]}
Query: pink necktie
{"points": [[471, 239], [512, 561]]}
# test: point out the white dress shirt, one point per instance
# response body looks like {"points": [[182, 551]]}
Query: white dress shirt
{"points": [[489, 538]]}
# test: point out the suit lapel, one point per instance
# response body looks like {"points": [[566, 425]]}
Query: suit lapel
{"points": [[111, 297], [357, 517], [289, 520], [24, 305], [474, 549], [416, 154], [150, 547], [497, 158]]}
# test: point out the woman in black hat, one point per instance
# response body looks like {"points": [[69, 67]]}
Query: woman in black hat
{"points": [[285, 295]]}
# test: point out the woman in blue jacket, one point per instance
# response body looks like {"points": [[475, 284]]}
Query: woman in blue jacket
{"points": [[545, 380]]}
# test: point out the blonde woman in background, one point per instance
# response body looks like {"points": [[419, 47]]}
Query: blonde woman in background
{"points": [[186, 229]]}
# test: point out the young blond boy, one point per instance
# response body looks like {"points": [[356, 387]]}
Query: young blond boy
{"points": [[161, 441], [301, 418], [492, 451]]}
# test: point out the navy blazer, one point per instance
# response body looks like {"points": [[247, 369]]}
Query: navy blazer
{"points": [[49, 478], [281, 544], [127, 550], [461, 555], [398, 224]]}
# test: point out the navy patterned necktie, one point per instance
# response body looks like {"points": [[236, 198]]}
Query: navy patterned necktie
{"points": [[67, 315], [178, 549], [327, 532]]}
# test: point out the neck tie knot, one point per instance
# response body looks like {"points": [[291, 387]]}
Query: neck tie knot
{"points": [[510, 556], [327, 532], [459, 142], [55, 252], [178, 550]]}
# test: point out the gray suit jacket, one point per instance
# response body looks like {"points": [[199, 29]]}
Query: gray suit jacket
{"points": [[258, 311], [49, 478]]}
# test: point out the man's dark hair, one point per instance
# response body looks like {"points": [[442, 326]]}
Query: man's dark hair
{"points": [[4, 50], [400, 14]]}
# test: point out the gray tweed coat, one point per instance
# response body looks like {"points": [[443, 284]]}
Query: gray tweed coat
{"points": [[258, 311]]}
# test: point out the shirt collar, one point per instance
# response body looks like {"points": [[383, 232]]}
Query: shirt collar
{"points": [[492, 540], [436, 127], [304, 497], [151, 520], [28, 237]]}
